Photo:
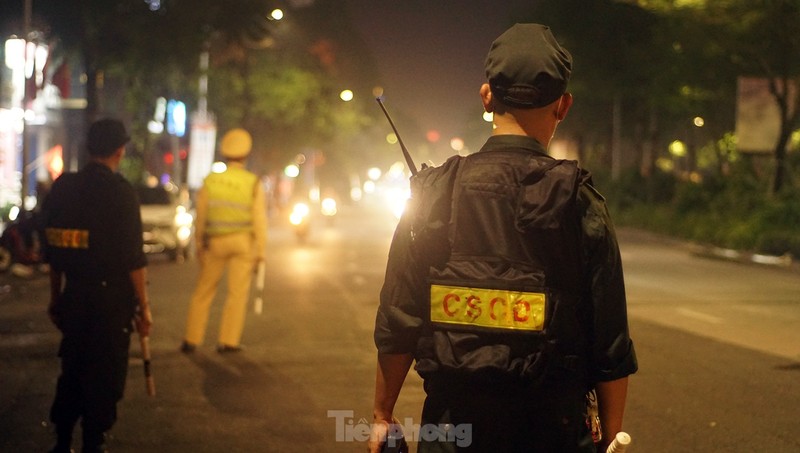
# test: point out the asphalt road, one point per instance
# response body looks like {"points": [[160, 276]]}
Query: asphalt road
{"points": [[718, 346]]}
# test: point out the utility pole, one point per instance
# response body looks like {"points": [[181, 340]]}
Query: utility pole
{"points": [[203, 136], [26, 145]]}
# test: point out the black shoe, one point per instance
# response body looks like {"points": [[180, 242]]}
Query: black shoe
{"points": [[188, 348], [224, 348], [95, 449], [63, 438], [94, 442]]}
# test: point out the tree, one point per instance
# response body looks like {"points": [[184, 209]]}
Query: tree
{"points": [[623, 75], [286, 91], [279, 79], [758, 38], [766, 42]]}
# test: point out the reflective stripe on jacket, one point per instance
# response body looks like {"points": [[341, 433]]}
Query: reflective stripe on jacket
{"points": [[230, 201]]}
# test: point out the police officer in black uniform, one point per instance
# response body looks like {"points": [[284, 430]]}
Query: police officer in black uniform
{"points": [[93, 233], [504, 281]]}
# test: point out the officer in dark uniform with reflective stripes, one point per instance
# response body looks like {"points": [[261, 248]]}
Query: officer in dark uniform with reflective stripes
{"points": [[504, 281], [93, 233]]}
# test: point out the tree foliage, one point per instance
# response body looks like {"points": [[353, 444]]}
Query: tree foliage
{"points": [[643, 68], [758, 38], [281, 79]]}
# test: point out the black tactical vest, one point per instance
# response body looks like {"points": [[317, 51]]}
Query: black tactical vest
{"points": [[501, 234]]}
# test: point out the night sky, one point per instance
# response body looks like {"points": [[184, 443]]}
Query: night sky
{"points": [[430, 53]]}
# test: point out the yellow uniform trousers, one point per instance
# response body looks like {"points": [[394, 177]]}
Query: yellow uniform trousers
{"points": [[235, 252]]}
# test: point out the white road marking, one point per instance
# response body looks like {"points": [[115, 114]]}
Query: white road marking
{"points": [[689, 313]]}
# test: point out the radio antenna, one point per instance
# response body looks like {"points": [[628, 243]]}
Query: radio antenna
{"points": [[409, 161]]}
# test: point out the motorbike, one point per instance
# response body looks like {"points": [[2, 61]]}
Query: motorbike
{"points": [[328, 209], [300, 218], [20, 246]]}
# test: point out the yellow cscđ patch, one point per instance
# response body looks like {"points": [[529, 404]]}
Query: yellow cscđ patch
{"points": [[67, 238], [493, 308]]}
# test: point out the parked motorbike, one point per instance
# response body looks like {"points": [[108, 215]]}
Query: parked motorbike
{"points": [[20, 246]]}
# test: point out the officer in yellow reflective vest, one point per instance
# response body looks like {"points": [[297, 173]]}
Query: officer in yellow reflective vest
{"points": [[231, 233]]}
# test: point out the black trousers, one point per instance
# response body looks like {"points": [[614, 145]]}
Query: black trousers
{"points": [[96, 324], [487, 420]]}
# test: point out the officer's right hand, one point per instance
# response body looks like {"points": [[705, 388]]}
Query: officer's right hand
{"points": [[380, 431], [377, 436]]}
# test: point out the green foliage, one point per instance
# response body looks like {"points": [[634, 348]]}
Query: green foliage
{"points": [[132, 168], [732, 209], [633, 189], [280, 79]]}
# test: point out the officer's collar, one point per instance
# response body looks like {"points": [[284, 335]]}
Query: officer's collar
{"points": [[96, 165], [503, 142]]}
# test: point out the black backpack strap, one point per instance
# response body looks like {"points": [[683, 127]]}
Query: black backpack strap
{"points": [[431, 207]]}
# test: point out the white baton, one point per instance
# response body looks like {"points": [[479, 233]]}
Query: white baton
{"points": [[260, 276], [620, 443]]}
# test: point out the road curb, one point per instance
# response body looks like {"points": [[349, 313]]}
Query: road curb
{"points": [[785, 261]]}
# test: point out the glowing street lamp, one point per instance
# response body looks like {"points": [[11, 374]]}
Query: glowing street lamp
{"points": [[374, 173], [292, 171], [346, 95], [276, 14], [677, 148]]}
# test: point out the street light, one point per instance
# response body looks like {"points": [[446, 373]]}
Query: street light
{"points": [[346, 95], [677, 148], [292, 170], [276, 14], [374, 173], [457, 144]]}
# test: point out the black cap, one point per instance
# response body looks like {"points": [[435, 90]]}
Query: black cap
{"points": [[106, 136], [527, 68]]}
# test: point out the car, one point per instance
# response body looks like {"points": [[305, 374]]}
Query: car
{"points": [[167, 221]]}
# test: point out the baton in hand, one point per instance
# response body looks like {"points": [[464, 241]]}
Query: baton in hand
{"points": [[260, 276], [148, 372], [620, 443]]}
